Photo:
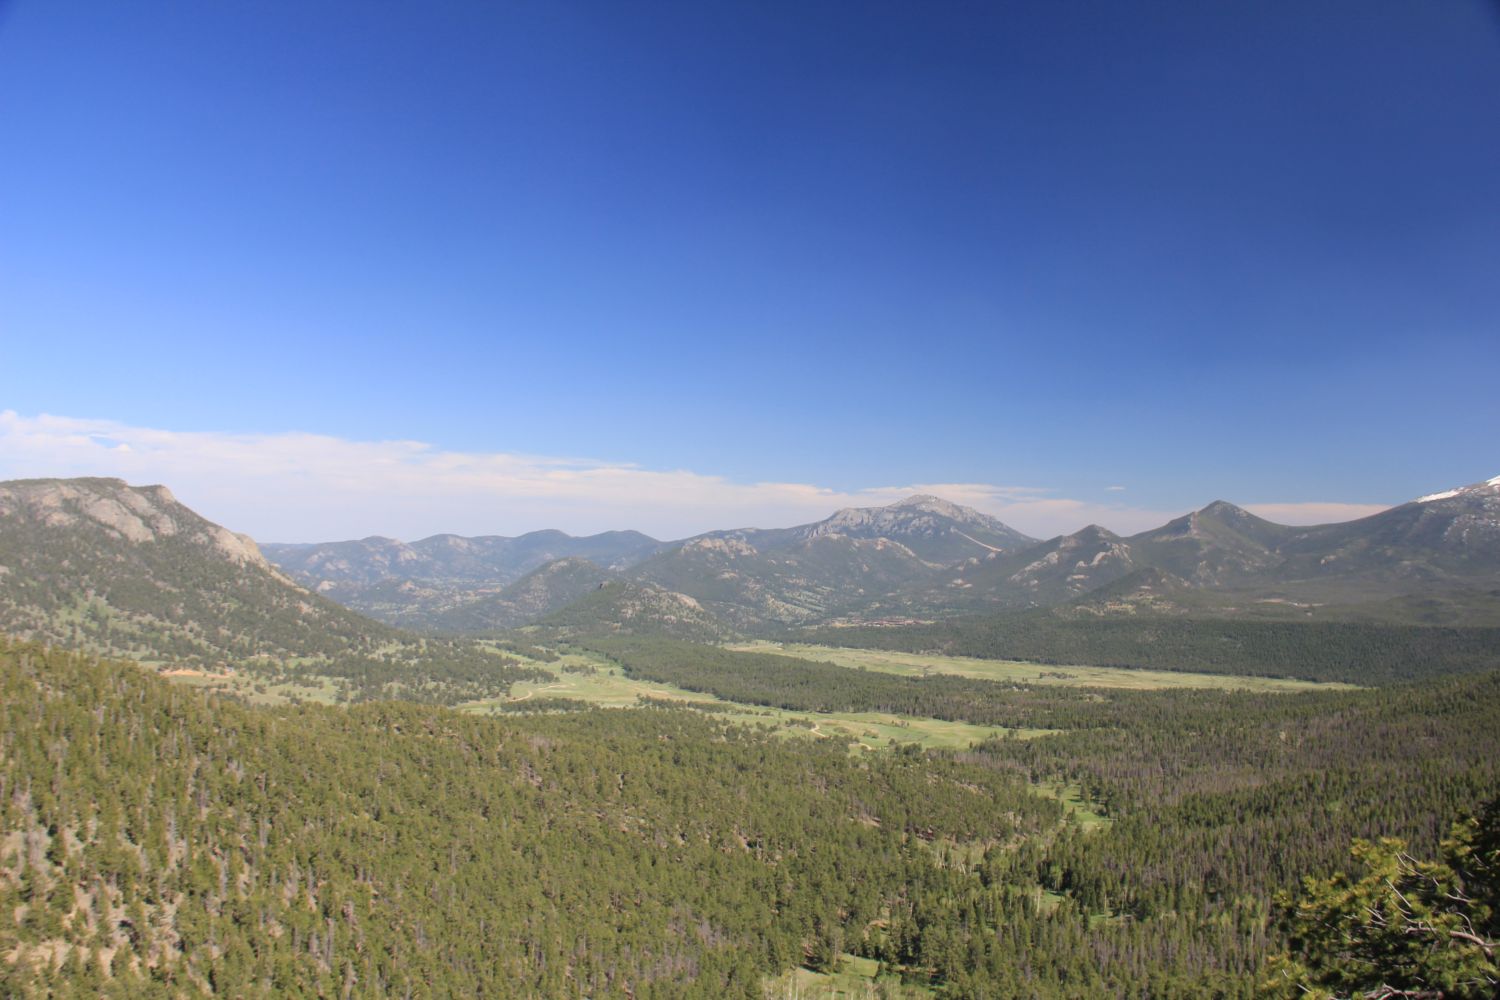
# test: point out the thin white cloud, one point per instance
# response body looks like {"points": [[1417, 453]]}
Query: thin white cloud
{"points": [[312, 487], [1314, 513], [1114, 489]]}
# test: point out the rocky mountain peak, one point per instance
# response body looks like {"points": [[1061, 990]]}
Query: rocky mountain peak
{"points": [[920, 511], [929, 504], [1224, 509], [135, 515]]}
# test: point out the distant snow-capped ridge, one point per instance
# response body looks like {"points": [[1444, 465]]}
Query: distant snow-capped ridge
{"points": [[1449, 494]]}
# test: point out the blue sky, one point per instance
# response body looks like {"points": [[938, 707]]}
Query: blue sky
{"points": [[1195, 250]]}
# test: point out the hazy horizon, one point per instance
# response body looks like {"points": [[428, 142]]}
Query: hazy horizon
{"points": [[315, 488], [749, 263]]}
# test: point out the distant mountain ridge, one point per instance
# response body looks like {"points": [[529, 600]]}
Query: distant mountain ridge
{"points": [[450, 583], [1435, 559], [490, 559], [750, 578], [1225, 559], [757, 578], [145, 565]]}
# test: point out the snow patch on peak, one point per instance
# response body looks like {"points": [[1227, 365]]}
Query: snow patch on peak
{"points": [[1449, 494]]}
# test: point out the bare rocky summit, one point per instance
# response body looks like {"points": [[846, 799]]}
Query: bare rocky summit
{"points": [[122, 570], [133, 514]]}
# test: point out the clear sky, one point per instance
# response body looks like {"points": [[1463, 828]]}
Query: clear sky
{"points": [[677, 266]]}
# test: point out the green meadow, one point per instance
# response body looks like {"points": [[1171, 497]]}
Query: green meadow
{"points": [[592, 679], [856, 978], [1017, 672]]}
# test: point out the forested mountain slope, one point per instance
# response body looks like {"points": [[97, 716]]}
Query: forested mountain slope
{"points": [[639, 609], [99, 566], [129, 571], [537, 594], [156, 842], [148, 835]]}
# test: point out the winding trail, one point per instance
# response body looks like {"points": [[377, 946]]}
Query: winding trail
{"points": [[528, 694]]}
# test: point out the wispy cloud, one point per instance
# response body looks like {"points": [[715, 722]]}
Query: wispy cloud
{"points": [[1114, 489], [312, 487], [1314, 513]]}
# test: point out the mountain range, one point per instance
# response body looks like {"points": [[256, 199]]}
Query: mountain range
{"points": [[1434, 560], [751, 578], [100, 565]]}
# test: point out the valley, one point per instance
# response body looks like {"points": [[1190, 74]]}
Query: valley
{"points": [[591, 679], [749, 501], [218, 781], [1020, 672], [578, 679]]}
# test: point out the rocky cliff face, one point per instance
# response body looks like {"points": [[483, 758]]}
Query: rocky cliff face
{"points": [[126, 513], [128, 571]]}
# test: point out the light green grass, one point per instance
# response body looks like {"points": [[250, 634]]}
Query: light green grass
{"points": [[855, 979], [1016, 672], [874, 730], [601, 683], [604, 684], [1080, 810], [1047, 900]]}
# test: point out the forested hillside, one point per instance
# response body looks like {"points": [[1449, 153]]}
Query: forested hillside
{"points": [[128, 571], [103, 567], [156, 841], [638, 609]]}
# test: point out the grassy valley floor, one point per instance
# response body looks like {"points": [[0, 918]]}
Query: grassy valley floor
{"points": [[592, 680], [1019, 672]]}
